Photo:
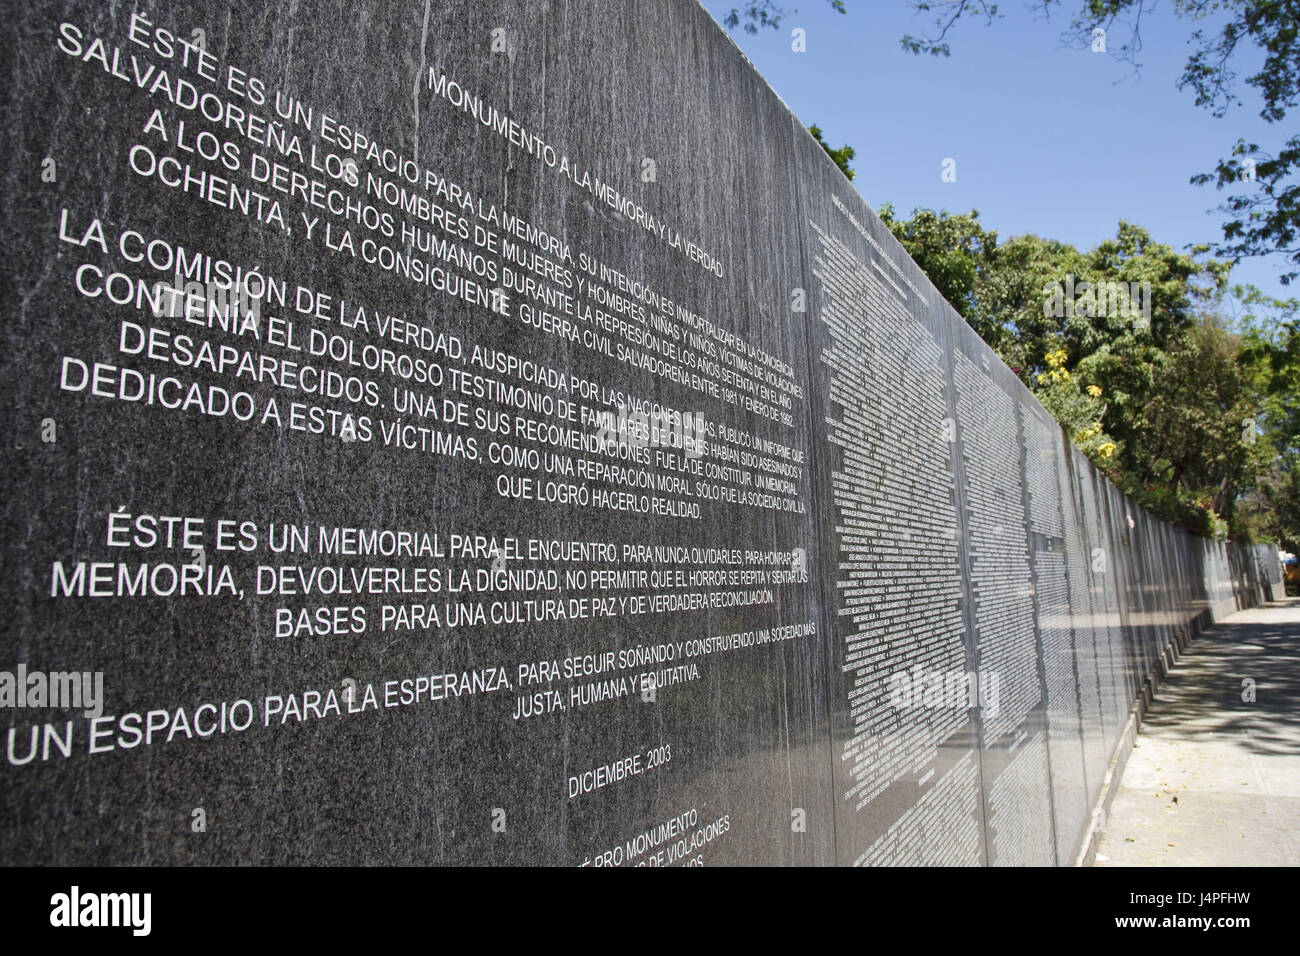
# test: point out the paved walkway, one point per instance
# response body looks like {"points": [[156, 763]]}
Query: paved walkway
{"points": [[1214, 780]]}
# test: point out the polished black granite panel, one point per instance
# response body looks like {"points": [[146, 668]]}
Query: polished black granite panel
{"points": [[498, 434]]}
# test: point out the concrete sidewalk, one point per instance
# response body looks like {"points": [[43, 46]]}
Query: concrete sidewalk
{"points": [[1214, 780]]}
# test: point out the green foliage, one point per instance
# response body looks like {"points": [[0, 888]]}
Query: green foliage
{"points": [[1196, 430], [1191, 413], [1271, 350], [755, 15], [1282, 499], [1080, 410], [841, 155], [952, 11]]}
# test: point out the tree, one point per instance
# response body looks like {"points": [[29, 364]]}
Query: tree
{"points": [[1005, 290], [1282, 496], [757, 14], [1265, 216], [1271, 349], [841, 155], [1080, 410], [1125, 346], [1196, 433]]}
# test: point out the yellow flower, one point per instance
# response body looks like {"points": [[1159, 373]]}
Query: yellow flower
{"points": [[1107, 450], [1094, 391], [1056, 359]]}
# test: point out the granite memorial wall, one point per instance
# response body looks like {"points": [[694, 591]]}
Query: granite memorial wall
{"points": [[498, 434]]}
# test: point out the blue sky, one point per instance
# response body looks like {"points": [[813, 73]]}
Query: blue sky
{"points": [[1048, 139]]}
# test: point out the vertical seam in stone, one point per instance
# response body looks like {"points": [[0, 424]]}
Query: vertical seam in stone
{"points": [[415, 91]]}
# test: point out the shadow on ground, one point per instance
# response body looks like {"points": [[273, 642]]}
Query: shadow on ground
{"points": [[1253, 654], [1214, 776]]}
